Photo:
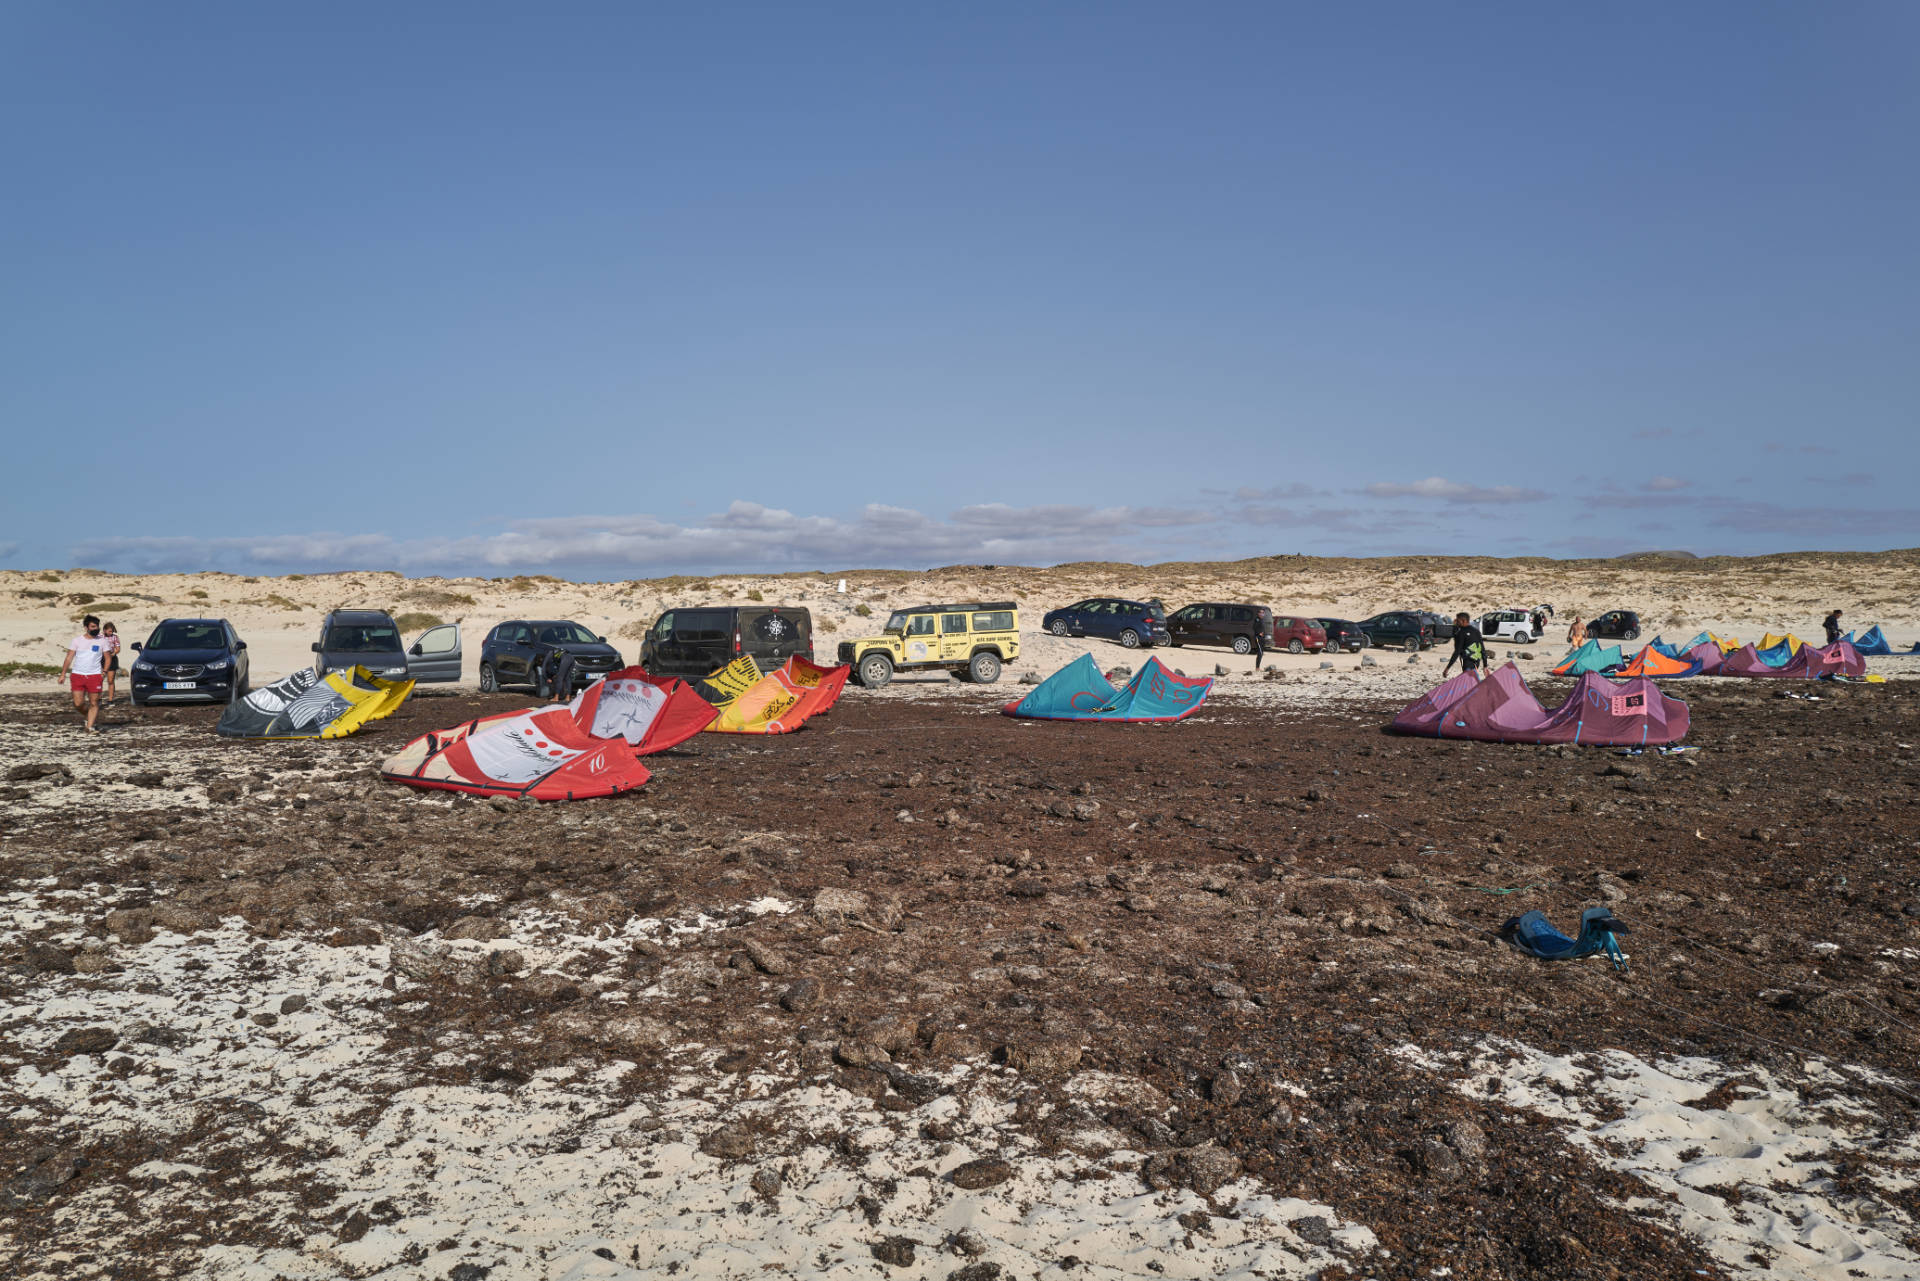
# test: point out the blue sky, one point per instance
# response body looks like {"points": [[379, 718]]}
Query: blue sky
{"points": [[610, 290]]}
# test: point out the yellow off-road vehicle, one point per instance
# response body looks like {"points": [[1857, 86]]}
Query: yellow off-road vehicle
{"points": [[971, 638]]}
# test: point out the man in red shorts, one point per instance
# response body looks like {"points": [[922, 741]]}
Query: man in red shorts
{"points": [[86, 658]]}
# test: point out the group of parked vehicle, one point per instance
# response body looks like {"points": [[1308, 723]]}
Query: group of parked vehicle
{"points": [[204, 659], [188, 660]]}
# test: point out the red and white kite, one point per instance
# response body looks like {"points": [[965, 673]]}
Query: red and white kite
{"points": [[590, 747]]}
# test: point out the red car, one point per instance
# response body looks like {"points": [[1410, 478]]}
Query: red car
{"points": [[1298, 634]]}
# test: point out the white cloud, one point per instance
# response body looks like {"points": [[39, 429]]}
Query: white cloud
{"points": [[746, 536], [1454, 491], [1665, 484], [1252, 494]]}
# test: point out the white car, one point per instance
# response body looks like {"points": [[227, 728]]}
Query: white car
{"points": [[1514, 625]]}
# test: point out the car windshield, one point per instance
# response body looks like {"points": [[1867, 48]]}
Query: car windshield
{"points": [[188, 636], [362, 638], [565, 634]]}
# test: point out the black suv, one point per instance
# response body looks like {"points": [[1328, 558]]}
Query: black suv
{"points": [[698, 642], [1343, 634], [1399, 627], [515, 652], [1615, 624], [190, 660]]}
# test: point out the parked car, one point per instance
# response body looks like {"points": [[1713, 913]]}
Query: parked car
{"points": [[1219, 623], [370, 638], [1342, 634], [1400, 627], [366, 638], [1133, 623], [1442, 624], [1514, 625], [515, 652], [973, 639], [697, 642], [1615, 624], [1234, 625], [189, 660]]}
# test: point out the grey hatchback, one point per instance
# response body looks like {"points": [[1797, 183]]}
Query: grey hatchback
{"points": [[366, 638], [370, 638]]}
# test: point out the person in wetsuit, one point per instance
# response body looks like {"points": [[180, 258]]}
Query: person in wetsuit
{"points": [[1832, 623], [1469, 646], [556, 676]]}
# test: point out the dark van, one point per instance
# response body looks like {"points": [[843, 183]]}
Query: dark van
{"points": [[695, 642]]}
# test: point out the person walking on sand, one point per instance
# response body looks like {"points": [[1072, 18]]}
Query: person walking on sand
{"points": [[1577, 632], [1259, 643], [1469, 646], [1832, 623], [111, 635], [86, 654]]}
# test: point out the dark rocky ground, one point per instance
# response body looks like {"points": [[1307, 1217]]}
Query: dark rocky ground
{"points": [[1221, 907]]}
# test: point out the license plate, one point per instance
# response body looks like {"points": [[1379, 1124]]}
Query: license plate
{"points": [[180, 685]]}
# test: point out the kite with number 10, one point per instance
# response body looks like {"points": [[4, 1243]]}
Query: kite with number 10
{"points": [[589, 747]]}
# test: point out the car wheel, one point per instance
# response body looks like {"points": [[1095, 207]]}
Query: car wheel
{"points": [[1633, 633], [1129, 638], [489, 683], [1059, 627], [1295, 647], [1243, 644], [1413, 644], [875, 671], [984, 669]]}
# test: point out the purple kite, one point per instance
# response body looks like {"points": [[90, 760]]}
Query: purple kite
{"points": [[1837, 659], [1501, 709], [1710, 657]]}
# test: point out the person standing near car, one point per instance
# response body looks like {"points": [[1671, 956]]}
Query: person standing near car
{"points": [[111, 635], [1577, 632], [1259, 642], [1832, 623], [1469, 647], [556, 674], [86, 657]]}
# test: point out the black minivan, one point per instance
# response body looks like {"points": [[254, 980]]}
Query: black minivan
{"points": [[697, 642]]}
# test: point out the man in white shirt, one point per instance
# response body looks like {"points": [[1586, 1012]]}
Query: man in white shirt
{"points": [[85, 662]]}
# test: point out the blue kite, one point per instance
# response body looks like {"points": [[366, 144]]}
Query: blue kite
{"points": [[1078, 692], [1874, 641], [1535, 935]]}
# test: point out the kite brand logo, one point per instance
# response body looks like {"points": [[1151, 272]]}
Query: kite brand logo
{"points": [[1629, 704], [1158, 685], [527, 740]]}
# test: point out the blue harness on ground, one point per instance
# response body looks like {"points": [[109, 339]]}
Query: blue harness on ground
{"points": [[1535, 935]]}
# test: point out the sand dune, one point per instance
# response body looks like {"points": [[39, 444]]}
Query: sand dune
{"points": [[279, 617]]}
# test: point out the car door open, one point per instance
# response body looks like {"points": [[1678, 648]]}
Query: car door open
{"points": [[434, 655]]}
